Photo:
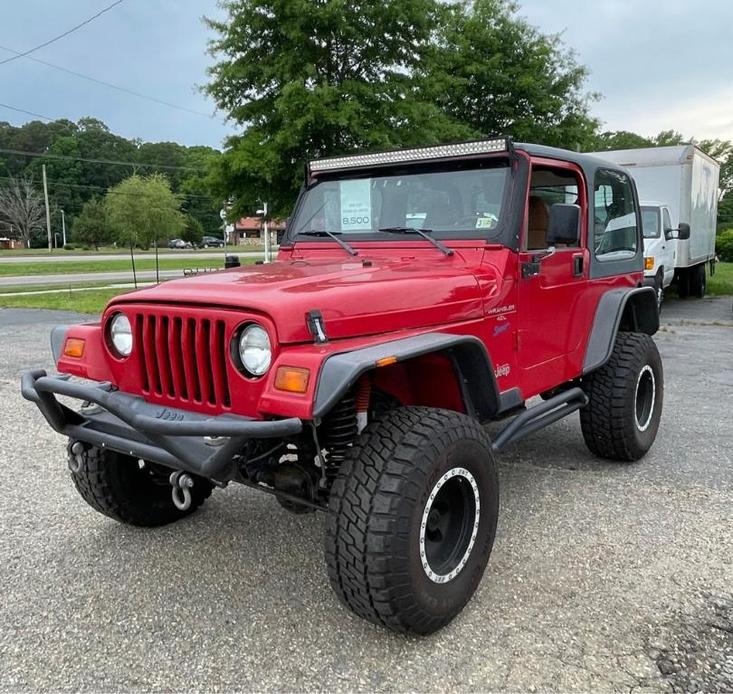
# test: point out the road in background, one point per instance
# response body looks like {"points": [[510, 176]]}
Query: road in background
{"points": [[101, 257], [604, 576]]}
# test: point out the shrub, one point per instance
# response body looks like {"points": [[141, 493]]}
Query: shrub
{"points": [[724, 246], [69, 247]]}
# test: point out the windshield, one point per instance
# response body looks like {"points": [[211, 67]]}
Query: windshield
{"points": [[442, 201], [650, 222]]}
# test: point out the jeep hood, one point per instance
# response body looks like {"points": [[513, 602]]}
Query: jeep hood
{"points": [[356, 298]]}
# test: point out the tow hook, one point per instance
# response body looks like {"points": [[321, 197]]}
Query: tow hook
{"points": [[181, 484], [76, 459]]}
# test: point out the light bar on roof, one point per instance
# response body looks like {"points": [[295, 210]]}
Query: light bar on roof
{"points": [[407, 155]]}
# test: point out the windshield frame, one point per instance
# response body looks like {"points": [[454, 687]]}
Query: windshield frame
{"points": [[497, 235]]}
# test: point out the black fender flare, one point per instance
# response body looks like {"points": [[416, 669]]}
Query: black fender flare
{"points": [[628, 308], [471, 362]]}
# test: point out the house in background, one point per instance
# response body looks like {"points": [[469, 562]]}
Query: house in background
{"points": [[10, 244], [248, 231]]}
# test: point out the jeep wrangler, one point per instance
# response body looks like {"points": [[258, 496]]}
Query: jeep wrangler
{"points": [[417, 295]]}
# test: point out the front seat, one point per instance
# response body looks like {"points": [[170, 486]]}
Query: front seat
{"points": [[538, 223]]}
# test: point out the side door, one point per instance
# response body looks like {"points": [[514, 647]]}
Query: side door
{"points": [[669, 248], [551, 279]]}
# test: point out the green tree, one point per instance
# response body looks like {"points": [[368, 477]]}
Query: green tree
{"points": [[142, 209], [307, 79], [494, 72], [193, 231], [91, 226], [618, 139]]}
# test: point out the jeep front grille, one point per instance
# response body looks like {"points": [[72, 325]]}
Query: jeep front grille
{"points": [[183, 358]]}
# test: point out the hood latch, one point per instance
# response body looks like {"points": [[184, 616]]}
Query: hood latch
{"points": [[314, 321]]}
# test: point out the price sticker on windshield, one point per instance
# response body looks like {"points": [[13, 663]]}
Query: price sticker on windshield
{"points": [[356, 205]]}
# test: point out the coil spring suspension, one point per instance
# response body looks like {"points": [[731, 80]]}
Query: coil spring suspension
{"points": [[339, 430]]}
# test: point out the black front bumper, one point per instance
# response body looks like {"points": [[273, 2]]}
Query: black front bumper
{"points": [[176, 438]]}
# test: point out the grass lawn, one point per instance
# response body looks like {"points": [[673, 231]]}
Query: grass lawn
{"points": [[44, 252], [722, 282], [92, 301], [66, 267]]}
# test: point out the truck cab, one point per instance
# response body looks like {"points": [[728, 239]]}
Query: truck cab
{"points": [[660, 246], [417, 295]]}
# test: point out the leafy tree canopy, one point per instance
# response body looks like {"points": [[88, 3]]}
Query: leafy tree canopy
{"points": [[143, 209], [91, 227]]}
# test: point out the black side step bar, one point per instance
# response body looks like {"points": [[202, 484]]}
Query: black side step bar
{"points": [[539, 416]]}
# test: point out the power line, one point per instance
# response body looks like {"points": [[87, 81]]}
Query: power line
{"points": [[109, 191], [60, 36], [28, 113], [110, 162], [107, 84]]}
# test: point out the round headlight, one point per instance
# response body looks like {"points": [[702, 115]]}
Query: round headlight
{"points": [[120, 334], [255, 350]]}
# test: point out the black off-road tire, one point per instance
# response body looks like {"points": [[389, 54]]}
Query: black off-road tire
{"points": [[118, 486], [379, 502], [698, 281], [625, 395]]}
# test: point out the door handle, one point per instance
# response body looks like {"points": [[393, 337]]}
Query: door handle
{"points": [[577, 266]]}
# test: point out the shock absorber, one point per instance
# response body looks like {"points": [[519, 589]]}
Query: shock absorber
{"points": [[363, 395], [339, 430]]}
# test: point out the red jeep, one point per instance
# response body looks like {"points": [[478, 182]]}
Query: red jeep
{"points": [[417, 295]]}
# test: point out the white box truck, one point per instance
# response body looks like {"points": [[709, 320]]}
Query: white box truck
{"points": [[684, 180]]}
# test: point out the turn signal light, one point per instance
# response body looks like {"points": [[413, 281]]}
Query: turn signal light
{"points": [[74, 347], [386, 361], [292, 379], [649, 263]]}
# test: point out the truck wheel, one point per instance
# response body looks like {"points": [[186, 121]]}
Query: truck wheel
{"points": [[659, 289], [414, 511], [129, 490], [698, 281], [683, 283], [625, 395]]}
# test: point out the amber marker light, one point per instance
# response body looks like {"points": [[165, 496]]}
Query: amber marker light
{"points": [[649, 263], [386, 361], [74, 347], [292, 379]]}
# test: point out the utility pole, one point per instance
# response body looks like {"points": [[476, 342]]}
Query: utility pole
{"points": [[48, 211], [263, 213], [63, 227]]}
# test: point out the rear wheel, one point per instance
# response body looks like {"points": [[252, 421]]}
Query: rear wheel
{"points": [[414, 512], [127, 489], [698, 281], [625, 396]]}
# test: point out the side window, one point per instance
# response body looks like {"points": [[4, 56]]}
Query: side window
{"points": [[615, 232], [666, 220], [548, 187]]}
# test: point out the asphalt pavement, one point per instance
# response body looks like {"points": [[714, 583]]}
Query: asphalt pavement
{"points": [[603, 576]]}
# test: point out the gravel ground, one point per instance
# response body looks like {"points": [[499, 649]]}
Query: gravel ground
{"points": [[603, 577]]}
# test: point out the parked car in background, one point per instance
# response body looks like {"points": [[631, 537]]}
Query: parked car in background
{"points": [[660, 246], [686, 180], [211, 242], [179, 244]]}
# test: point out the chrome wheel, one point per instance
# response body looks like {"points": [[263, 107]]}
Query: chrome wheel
{"points": [[645, 396]]}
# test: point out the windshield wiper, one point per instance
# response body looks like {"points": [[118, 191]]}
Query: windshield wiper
{"points": [[420, 232], [331, 234]]}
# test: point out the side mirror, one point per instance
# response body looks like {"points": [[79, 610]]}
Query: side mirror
{"points": [[564, 225], [682, 232]]}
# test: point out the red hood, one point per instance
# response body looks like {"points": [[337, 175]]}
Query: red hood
{"points": [[356, 298]]}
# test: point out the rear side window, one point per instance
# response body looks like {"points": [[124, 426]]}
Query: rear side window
{"points": [[615, 231]]}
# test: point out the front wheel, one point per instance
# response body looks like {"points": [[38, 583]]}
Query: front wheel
{"points": [[625, 397], [414, 512]]}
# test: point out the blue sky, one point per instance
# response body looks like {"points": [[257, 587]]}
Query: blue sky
{"points": [[659, 65]]}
